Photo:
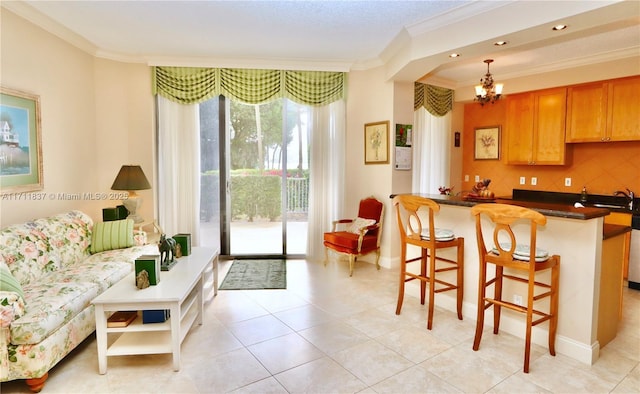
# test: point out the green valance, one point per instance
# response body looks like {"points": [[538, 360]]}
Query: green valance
{"points": [[188, 85], [438, 101]]}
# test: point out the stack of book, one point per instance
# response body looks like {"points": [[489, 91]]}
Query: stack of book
{"points": [[121, 318]]}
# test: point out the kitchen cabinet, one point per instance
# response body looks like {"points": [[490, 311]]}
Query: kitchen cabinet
{"points": [[604, 111], [535, 127]]}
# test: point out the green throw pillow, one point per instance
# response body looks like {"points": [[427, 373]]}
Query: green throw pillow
{"points": [[8, 282], [116, 234]]}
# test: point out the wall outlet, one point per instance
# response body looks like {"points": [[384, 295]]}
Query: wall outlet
{"points": [[517, 299], [567, 182], [477, 179], [534, 181], [466, 178], [523, 180]]}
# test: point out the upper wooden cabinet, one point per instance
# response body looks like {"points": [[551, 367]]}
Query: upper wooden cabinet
{"points": [[604, 111], [535, 127]]}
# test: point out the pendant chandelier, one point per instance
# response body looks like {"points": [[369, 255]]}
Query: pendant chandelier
{"points": [[488, 91]]}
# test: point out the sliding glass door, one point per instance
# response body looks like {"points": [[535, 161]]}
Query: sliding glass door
{"points": [[263, 163]]}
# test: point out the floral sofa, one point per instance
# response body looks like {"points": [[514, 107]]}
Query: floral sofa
{"points": [[49, 274]]}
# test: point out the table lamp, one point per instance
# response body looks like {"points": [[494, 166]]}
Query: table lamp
{"points": [[131, 178]]}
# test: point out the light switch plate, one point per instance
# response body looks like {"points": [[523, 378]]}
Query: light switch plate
{"points": [[567, 181], [534, 181], [466, 178], [523, 180], [477, 179]]}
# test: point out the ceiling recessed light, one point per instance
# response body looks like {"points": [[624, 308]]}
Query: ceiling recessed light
{"points": [[455, 55], [500, 43], [559, 27]]}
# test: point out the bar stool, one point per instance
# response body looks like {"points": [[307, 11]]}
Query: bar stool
{"points": [[412, 232], [514, 256]]}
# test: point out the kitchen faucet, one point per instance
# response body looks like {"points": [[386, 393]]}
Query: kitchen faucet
{"points": [[628, 196]]}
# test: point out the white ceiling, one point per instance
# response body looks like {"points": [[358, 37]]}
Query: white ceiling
{"points": [[411, 39]]}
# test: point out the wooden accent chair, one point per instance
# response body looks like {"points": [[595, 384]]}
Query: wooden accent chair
{"points": [[413, 232], [507, 253], [358, 236]]}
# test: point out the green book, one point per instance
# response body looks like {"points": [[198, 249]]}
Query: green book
{"points": [[184, 240], [151, 264]]}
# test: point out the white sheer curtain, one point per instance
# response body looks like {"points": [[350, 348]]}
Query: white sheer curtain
{"points": [[431, 151], [179, 168], [327, 162]]}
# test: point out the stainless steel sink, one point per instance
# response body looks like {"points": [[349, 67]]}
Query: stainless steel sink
{"points": [[608, 206]]}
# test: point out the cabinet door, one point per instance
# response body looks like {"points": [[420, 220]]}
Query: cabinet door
{"points": [[623, 120], [549, 126], [586, 112], [519, 128]]}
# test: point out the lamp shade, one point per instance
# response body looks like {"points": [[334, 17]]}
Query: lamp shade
{"points": [[130, 178]]}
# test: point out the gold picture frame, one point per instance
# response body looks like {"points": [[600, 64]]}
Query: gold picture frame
{"points": [[376, 143], [20, 142], [487, 143]]}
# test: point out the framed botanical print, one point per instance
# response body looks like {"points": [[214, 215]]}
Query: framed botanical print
{"points": [[487, 143], [376, 143], [20, 142]]}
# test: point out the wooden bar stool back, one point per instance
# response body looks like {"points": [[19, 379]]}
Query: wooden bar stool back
{"points": [[413, 232], [507, 253]]}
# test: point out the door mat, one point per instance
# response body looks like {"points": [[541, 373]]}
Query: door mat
{"points": [[256, 275]]}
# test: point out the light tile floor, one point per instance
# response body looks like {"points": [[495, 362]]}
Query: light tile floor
{"points": [[329, 333]]}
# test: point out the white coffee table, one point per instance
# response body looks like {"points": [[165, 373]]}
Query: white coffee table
{"points": [[180, 290]]}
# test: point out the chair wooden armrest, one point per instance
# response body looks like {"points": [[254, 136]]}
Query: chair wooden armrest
{"points": [[341, 221]]}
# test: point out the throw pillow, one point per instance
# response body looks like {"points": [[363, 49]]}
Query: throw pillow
{"points": [[116, 234], [8, 282], [360, 223]]}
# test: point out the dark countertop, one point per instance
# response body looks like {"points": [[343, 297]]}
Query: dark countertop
{"points": [[545, 208], [614, 203]]}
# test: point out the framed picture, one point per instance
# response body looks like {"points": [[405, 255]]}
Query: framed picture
{"points": [[376, 143], [487, 143], [20, 142]]}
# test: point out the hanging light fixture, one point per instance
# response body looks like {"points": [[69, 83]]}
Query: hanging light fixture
{"points": [[487, 91]]}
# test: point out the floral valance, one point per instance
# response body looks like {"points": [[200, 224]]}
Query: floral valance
{"points": [[438, 101], [188, 85]]}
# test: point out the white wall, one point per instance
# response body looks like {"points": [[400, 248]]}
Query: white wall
{"points": [[371, 99], [96, 116], [35, 61], [403, 94], [125, 125]]}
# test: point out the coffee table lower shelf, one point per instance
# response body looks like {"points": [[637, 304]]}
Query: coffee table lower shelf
{"points": [[153, 338], [133, 343]]}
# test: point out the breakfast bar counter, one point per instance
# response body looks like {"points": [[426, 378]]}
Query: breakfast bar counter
{"points": [[545, 208], [576, 234]]}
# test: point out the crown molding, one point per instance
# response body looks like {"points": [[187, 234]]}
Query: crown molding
{"points": [[277, 64]]}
